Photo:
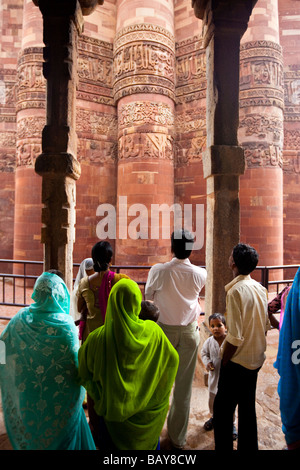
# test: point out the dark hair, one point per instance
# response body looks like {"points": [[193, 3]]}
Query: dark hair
{"points": [[217, 316], [57, 272], [149, 311], [102, 253], [245, 258], [182, 243]]}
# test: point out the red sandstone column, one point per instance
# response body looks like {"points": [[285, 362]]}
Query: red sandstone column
{"points": [[11, 34], [144, 66], [289, 17], [96, 127], [30, 106], [190, 120], [261, 134]]}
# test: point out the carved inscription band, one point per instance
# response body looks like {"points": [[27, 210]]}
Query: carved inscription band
{"points": [[261, 103], [144, 61]]}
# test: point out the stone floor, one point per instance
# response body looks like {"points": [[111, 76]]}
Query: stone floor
{"points": [[268, 416]]}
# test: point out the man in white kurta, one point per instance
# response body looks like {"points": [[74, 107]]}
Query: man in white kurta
{"points": [[175, 287]]}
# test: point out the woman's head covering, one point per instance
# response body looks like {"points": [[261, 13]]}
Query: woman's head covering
{"points": [[128, 367], [85, 265], [288, 364], [42, 401], [50, 295]]}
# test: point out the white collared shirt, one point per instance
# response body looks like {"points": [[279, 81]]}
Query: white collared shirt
{"points": [[175, 287], [247, 320]]}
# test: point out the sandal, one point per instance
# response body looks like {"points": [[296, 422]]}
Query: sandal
{"points": [[209, 425]]}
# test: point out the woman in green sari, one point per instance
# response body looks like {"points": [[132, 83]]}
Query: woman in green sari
{"points": [[128, 366]]}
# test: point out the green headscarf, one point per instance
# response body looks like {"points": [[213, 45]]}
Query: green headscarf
{"points": [[128, 367]]}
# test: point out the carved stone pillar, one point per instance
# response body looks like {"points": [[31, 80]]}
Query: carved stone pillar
{"points": [[144, 86], [30, 93], [10, 24], [261, 134], [223, 162], [289, 40], [62, 22]]}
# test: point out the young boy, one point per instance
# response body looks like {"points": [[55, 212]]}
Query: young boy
{"points": [[210, 355], [149, 311]]}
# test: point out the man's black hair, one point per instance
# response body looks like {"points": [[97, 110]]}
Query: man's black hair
{"points": [[182, 243], [245, 258]]}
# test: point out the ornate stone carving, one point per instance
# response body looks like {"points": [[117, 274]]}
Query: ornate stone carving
{"points": [[188, 151], [7, 151], [95, 123], [261, 74], [262, 154], [292, 94], [95, 65], [291, 163], [97, 133], [143, 113], [263, 126], [97, 152], [27, 152], [29, 141], [261, 85], [144, 61], [291, 154], [292, 139], [31, 86], [150, 146], [190, 70], [8, 126]]}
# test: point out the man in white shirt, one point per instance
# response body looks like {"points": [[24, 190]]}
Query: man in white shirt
{"points": [[175, 287], [243, 354]]}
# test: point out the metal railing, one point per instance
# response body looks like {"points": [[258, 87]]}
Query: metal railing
{"points": [[17, 288]]}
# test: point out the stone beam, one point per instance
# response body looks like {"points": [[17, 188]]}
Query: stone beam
{"points": [[224, 23]]}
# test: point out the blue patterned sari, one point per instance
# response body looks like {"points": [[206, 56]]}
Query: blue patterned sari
{"points": [[288, 365], [41, 398]]}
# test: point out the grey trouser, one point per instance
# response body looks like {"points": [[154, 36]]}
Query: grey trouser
{"points": [[185, 340]]}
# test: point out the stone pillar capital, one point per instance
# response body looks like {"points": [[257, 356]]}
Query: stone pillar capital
{"points": [[59, 164], [87, 6], [64, 9], [223, 16], [223, 160]]}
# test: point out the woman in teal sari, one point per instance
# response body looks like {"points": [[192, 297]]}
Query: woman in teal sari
{"points": [[41, 397], [128, 367], [288, 366]]}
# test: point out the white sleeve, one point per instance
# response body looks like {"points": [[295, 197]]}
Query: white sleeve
{"points": [[205, 353], [150, 286]]}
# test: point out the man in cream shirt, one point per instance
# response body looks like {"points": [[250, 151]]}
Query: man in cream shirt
{"points": [[244, 348], [175, 287]]}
